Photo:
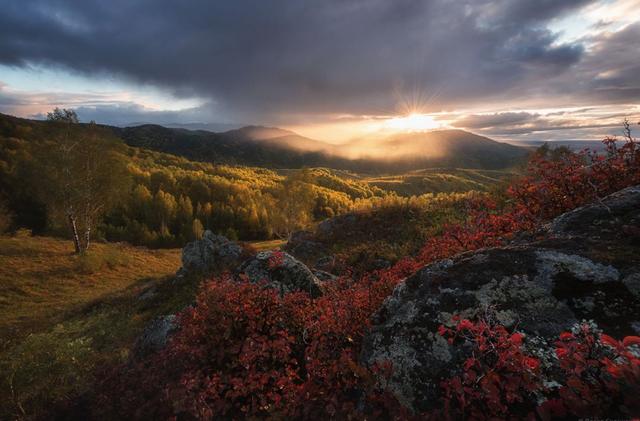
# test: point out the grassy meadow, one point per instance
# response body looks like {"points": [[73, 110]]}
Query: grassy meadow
{"points": [[63, 316]]}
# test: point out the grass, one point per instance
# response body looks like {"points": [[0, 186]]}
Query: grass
{"points": [[62, 316], [267, 245]]}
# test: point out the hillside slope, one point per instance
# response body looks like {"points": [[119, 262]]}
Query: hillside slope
{"points": [[277, 148], [438, 148]]}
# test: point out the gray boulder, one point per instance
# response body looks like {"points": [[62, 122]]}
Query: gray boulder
{"points": [[288, 276], [331, 226], [210, 254], [586, 266], [325, 263], [324, 276], [155, 335], [303, 245]]}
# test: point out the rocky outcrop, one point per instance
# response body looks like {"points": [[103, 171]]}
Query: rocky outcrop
{"points": [[210, 254], [304, 246], [585, 266], [155, 335], [324, 276], [329, 227], [281, 271]]}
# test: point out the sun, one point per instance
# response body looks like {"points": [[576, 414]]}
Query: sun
{"points": [[412, 123]]}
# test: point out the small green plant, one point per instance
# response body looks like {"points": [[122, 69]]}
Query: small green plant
{"points": [[47, 367]]}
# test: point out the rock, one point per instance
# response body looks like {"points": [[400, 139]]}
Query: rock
{"points": [[325, 263], [148, 294], [300, 236], [324, 276], [596, 218], [329, 227], [211, 253], [155, 335], [303, 246], [584, 267], [282, 272], [380, 263]]}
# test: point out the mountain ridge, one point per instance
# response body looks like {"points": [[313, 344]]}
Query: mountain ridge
{"points": [[277, 148]]}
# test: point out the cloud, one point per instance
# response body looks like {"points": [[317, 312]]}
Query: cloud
{"points": [[106, 108], [129, 113], [579, 123], [282, 60], [487, 121]]}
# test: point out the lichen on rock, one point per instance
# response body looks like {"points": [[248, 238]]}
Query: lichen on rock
{"points": [[578, 269]]}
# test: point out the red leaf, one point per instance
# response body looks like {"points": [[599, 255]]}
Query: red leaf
{"points": [[608, 340], [631, 340], [516, 339], [566, 336], [532, 363]]}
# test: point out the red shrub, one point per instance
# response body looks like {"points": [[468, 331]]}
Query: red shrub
{"points": [[497, 379], [602, 375], [557, 184]]}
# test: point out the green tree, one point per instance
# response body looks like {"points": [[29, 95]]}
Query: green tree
{"points": [[141, 202], [83, 174], [165, 207], [197, 229], [295, 199], [6, 217]]}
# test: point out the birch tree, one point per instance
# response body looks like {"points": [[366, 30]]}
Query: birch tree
{"points": [[83, 174]]}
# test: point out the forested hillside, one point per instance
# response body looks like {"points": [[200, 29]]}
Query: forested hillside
{"points": [[165, 200]]}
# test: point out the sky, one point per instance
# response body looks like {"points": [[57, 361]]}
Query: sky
{"points": [[332, 69]]}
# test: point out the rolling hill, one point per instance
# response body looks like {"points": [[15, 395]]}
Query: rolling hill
{"points": [[277, 148], [438, 148]]}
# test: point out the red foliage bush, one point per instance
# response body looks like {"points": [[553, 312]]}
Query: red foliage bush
{"points": [[602, 376], [498, 379], [243, 351], [557, 184]]}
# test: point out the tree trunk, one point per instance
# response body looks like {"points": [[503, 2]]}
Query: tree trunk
{"points": [[87, 237], [74, 233]]}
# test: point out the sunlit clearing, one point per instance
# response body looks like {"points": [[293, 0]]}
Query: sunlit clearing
{"points": [[412, 123]]}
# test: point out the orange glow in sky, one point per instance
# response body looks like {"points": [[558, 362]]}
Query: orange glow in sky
{"points": [[412, 123]]}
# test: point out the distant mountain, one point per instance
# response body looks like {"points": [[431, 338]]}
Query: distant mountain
{"points": [[252, 145], [212, 127], [437, 148], [278, 148], [574, 145]]}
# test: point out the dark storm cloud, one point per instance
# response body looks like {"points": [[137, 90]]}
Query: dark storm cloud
{"points": [[265, 59], [615, 65]]}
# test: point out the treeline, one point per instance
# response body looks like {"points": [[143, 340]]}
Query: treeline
{"points": [[160, 200]]}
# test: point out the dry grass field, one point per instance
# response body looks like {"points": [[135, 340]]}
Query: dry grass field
{"points": [[62, 316]]}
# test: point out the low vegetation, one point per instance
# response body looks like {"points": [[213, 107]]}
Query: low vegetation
{"points": [[62, 315]]}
